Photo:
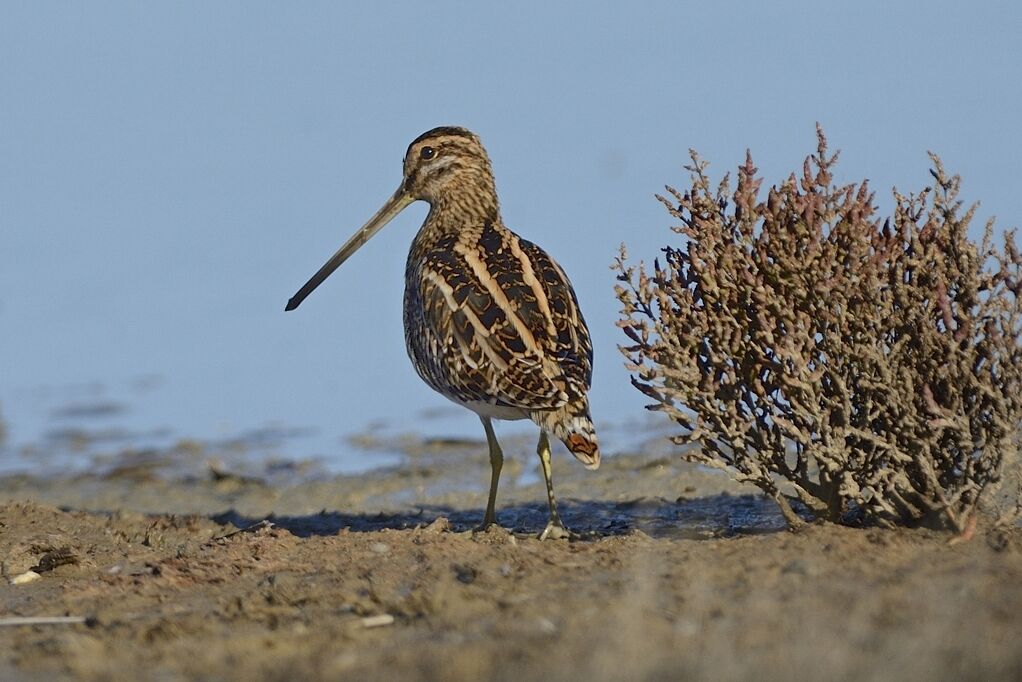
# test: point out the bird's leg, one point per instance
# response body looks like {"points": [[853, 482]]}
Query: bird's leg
{"points": [[496, 464], [554, 528]]}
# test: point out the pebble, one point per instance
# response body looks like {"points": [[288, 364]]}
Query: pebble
{"points": [[440, 525], [546, 626], [378, 621], [24, 578]]}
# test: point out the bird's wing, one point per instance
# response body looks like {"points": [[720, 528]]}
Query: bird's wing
{"points": [[571, 344], [504, 319]]}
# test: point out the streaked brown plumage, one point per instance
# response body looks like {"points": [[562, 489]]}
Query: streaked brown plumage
{"points": [[491, 321]]}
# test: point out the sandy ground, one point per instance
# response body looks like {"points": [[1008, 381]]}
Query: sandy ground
{"points": [[677, 574]]}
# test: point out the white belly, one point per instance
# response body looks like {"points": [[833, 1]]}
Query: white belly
{"points": [[484, 409]]}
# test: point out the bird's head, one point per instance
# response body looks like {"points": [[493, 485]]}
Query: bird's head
{"points": [[444, 162], [446, 167]]}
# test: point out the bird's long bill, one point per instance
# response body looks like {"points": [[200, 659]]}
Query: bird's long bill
{"points": [[394, 205]]}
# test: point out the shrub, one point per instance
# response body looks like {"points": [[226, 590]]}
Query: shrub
{"points": [[869, 369]]}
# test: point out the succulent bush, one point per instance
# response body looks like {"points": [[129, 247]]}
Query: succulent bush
{"points": [[868, 368]]}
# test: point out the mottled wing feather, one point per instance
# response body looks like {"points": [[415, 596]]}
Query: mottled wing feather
{"points": [[491, 318], [570, 345]]}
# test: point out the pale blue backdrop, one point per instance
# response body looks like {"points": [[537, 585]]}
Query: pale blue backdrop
{"points": [[169, 175]]}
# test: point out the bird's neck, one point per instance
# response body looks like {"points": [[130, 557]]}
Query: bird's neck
{"points": [[456, 210]]}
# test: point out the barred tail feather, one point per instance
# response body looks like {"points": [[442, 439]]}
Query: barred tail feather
{"points": [[573, 426], [585, 447]]}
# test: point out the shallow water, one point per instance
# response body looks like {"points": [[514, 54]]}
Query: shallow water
{"points": [[111, 443], [54, 430]]}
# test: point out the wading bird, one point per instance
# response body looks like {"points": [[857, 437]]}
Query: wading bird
{"points": [[491, 321]]}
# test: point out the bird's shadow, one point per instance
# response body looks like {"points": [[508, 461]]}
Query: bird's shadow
{"points": [[696, 518]]}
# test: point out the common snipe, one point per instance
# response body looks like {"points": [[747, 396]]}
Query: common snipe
{"points": [[491, 321]]}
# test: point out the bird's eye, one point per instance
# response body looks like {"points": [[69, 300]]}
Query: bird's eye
{"points": [[427, 153]]}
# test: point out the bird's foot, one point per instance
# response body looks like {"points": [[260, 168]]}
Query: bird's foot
{"points": [[555, 530], [488, 522]]}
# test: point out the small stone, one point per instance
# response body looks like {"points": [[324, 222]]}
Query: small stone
{"points": [[440, 525], [546, 626], [380, 547], [24, 578], [379, 621]]}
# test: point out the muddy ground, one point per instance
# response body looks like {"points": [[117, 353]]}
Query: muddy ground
{"points": [[677, 573]]}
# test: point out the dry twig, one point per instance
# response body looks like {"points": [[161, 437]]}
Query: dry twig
{"points": [[863, 367]]}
